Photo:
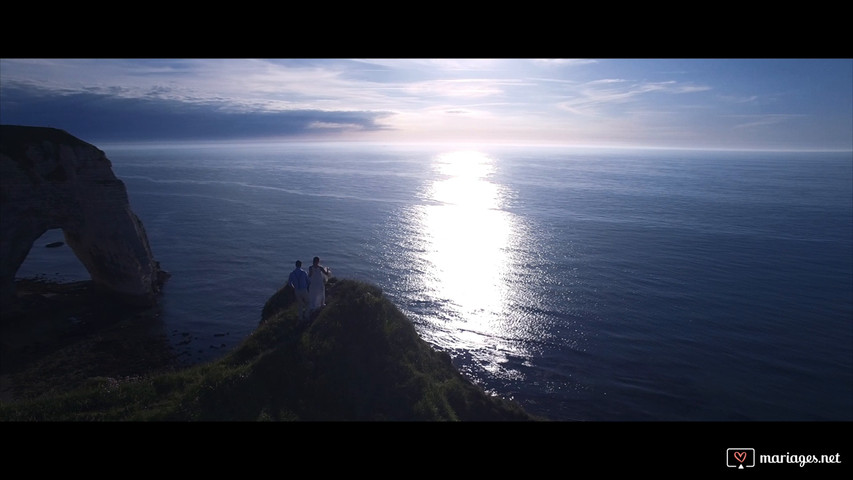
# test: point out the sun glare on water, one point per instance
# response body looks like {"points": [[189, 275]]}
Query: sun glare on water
{"points": [[468, 243]]}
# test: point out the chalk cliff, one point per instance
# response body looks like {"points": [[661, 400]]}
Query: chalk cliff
{"points": [[50, 179]]}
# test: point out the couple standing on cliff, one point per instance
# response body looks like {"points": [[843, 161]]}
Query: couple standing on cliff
{"points": [[310, 287]]}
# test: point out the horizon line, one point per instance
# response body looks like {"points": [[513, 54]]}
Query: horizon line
{"points": [[459, 144]]}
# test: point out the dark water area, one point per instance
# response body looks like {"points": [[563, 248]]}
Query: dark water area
{"points": [[56, 337], [592, 285]]}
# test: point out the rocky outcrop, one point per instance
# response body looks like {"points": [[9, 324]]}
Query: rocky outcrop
{"points": [[50, 179]]}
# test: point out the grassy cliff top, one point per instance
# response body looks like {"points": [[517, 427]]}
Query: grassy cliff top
{"points": [[358, 359]]}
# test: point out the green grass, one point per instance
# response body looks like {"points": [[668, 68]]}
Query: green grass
{"points": [[359, 359]]}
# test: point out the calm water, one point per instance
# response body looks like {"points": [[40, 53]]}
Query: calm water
{"points": [[586, 284]]}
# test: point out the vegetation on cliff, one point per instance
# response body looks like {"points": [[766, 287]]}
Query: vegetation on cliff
{"points": [[358, 359]]}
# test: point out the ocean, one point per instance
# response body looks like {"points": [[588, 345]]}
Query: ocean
{"points": [[586, 284]]}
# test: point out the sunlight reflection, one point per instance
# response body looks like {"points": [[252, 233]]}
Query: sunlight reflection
{"points": [[468, 242]]}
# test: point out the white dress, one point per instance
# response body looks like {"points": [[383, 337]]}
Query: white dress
{"points": [[317, 290]]}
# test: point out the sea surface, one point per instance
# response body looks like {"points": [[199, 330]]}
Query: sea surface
{"points": [[586, 284]]}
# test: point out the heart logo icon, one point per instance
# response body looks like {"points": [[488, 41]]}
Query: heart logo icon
{"points": [[740, 456]]}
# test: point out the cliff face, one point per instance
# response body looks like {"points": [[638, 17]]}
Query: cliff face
{"points": [[50, 179]]}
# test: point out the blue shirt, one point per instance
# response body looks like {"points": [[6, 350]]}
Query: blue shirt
{"points": [[298, 279]]}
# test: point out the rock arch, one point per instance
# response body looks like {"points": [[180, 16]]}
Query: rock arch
{"points": [[51, 179]]}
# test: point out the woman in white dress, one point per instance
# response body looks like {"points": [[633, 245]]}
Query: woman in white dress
{"points": [[318, 275]]}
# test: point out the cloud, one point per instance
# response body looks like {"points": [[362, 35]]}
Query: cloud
{"points": [[469, 89], [750, 99], [399, 99], [752, 121], [563, 61], [593, 97], [115, 115]]}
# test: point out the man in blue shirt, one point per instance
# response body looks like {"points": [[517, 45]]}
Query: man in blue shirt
{"points": [[298, 279]]}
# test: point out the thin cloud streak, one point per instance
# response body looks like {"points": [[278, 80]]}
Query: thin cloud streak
{"points": [[765, 120], [599, 94]]}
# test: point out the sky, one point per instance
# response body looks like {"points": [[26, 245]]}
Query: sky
{"points": [[774, 104]]}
